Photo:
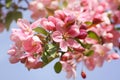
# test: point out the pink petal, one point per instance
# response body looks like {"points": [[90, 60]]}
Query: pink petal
{"points": [[113, 56], [73, 43], [23, 24], [49, 25], [31, 59], [57, 36], [11, 51], [63, 46], [74, 31], [35, 24], [91, 41], [60, 14], [90, 64], [13, 59]]}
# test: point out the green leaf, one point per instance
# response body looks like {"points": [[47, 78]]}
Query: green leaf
{"points": [[82, 44], [65, 3], [118, 7], [88, 23], [17, 14], [41, 30], [88, 46], [49, 60], [44, 58], [89, 53], [12, 15], [117, 28], [8, 3], [8, 20], [93, 35], [58, 67], [51, 50]]}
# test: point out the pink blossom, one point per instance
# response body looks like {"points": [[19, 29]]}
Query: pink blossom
{"points": [[98, 58], [90, 63], [70, 68], [54, 5], [64, 44], [26, 26], [113, 56], [67, 56], [15, 54], [33, 63], [38, 9], [23, 24], [82, 34], [60, 14], [38, 14], [47, 24], [57, 36], [74, 31], [18, 35], [32, 45]]}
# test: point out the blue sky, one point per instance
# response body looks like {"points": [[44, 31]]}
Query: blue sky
{"points": [[110, 71]]}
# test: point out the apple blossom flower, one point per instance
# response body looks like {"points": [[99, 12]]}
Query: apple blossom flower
{"points": [[70, 68], [32, 45], [113, 56], [40, 8], [15, 54]]}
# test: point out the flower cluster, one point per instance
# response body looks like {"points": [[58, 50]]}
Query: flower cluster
{"points": [[82, 31]]}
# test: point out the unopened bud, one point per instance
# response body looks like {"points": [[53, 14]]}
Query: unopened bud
{"points": [[83, 74], [82, 34]]}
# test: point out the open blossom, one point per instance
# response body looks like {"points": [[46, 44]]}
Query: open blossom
{"points": [[15, 54], [32, 45], [64, 44], [25, 43], [40, 8], [70, 69], [98, 58], [30, 61], [48, 24], [113, 56]]}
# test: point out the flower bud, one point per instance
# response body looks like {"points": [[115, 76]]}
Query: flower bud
{"points": [[66, 56], [82, 34], [83, 27], [97, 20], [83, 74]]}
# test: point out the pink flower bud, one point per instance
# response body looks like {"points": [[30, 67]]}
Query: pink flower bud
{"points": [[83, 74], [97, 20], [66, 56], [82, 34], [83, 27]]}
